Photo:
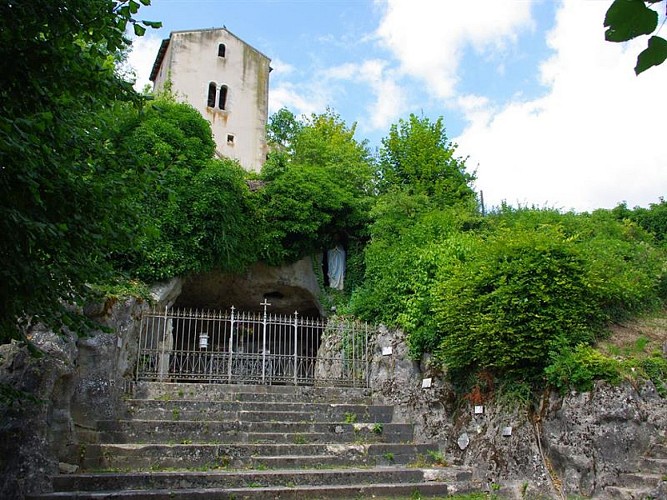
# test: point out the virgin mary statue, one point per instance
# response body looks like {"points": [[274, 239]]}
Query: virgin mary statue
{"points": [[336, 266]]}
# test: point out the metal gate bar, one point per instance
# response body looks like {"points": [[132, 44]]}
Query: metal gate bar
{"points": [[187, 345]]}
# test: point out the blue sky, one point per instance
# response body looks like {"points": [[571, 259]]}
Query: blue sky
{"points": [[544, 110]]}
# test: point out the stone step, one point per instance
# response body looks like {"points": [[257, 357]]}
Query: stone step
{"points": [[215, 456], [390, 490], [657, 465], [257, 412], [623, 493], [639, 479], [241, 479], [238, 392], [157, 431], [658, 451]]}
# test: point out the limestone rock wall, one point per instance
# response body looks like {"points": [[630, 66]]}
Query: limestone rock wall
{"points": [[572, 445], [593, 437], [77, 381], [33, 429]]}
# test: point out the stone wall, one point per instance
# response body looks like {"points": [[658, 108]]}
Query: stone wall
{"points": [[571, 445], [77, 380], [593, 437]]}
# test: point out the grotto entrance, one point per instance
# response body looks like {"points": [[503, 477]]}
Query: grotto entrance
{"points": [[263, 327]]}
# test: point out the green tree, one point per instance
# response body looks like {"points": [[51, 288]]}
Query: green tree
{"points": [[60, 214], [318, 192], [652, 219], [628, 19], [281, 131], [196, 211], [418, 157]]}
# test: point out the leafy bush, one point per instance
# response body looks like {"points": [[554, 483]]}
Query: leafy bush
{"points": [[408, 251], [519, 295], [580, 367], [652, 219], [206, 221], [655, 369]]}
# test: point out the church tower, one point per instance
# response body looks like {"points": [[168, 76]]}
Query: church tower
{"points": [[227, 81]]}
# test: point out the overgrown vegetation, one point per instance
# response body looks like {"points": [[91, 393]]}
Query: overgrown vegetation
{"points": [[62, 190], [102, 192]]}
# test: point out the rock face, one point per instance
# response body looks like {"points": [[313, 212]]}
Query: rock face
{"points": [[593, 438], [578, 444], [288, 288], [35, 423], [78, 381]]}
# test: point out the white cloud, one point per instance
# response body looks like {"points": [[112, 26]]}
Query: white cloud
{"points": [[388, 101], [428, 37], [596, 138], [281, 68], [301, 100], [141, 58], [315, 94]]}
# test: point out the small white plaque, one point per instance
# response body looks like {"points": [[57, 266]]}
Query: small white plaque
{"points": [[387, 351], [426, 383], [507, 431], [479, 409]]}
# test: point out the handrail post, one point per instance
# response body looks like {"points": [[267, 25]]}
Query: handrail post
{"points": [[231, 347], [296, 356], [163, 342], [265, 304]]}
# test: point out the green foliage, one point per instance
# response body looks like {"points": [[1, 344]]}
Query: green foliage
{"points": [[61, 187], [497, 295], [417, 157], [122, 287], [579, 367], [402, 265], [282, 130], [206, 222], [540, 281], [513, 393], [420, 221], [196, 212], [305, 209], [652, 219], [628, 19], [655, 369], [522, 293], [318, 187]]}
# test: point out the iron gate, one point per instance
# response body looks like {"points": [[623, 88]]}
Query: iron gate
{"points": [[252, 348]]}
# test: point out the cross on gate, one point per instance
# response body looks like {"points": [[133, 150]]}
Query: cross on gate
{"points": [[265, 304]]}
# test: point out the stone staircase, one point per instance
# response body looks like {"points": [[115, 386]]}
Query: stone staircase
{"points": [[650, 480], [199, 441]]}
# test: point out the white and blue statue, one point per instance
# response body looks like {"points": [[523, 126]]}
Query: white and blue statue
{"points": [[336, 266]]}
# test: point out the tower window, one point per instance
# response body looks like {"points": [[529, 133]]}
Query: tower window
{"points": [[230, 139], [221, 50], [212, 87], [222, 99]]}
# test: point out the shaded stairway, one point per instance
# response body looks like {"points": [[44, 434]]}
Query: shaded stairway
{"points": [[648, 482], [234, 441]]}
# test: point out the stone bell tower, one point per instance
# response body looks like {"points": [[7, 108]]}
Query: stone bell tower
{"points": [[227, 81]]}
